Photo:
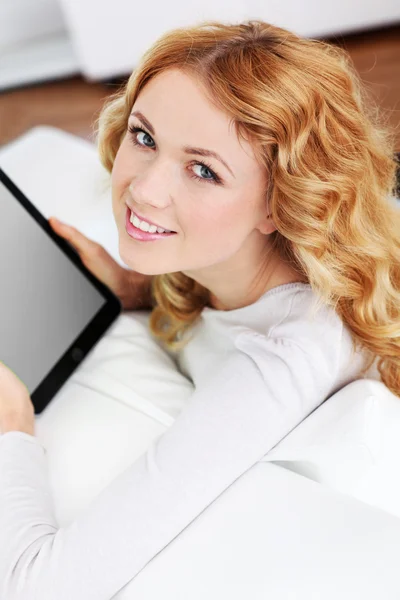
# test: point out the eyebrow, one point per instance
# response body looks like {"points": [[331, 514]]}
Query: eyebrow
{"points": [[186, 149]]}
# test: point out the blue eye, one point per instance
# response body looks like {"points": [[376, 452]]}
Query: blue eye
{"points": [[215, 179], [133, 131]]}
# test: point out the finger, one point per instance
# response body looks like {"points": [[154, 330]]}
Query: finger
{"points": [[75, 237]]}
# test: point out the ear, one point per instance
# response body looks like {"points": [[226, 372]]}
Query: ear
{"points": [[267, 225]]}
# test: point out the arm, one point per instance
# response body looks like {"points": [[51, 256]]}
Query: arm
{"points": [[226, 427]]}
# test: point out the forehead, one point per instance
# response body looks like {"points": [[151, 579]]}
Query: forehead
{"points": [[181, 113]]}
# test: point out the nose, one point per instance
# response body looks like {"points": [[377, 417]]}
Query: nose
{"points": [[151, 188]]}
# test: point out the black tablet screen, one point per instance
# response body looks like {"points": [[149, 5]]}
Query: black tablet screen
{"points": [[45, 301]]}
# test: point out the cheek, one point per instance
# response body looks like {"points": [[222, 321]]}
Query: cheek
{"points": [[119, 183], [119, 173], [221, 230]]}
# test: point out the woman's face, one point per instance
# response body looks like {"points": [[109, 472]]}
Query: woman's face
{"points": [[217, 211]]}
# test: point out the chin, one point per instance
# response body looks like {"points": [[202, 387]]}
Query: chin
{"points": [[139, 267]]}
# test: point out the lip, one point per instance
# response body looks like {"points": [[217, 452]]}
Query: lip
{"points": [[147, 220], [142, 236]]}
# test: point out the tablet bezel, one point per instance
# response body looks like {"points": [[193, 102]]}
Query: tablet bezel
{"points": [[88, 338]]}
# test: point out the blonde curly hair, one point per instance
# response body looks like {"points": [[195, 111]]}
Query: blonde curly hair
{"points": [[331, 162]]}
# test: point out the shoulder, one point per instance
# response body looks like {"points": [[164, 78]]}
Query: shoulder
{"points": [[310, 323], [303, 346]]}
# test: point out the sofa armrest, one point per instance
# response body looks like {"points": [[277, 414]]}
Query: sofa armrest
{"points": [[275, 534]]}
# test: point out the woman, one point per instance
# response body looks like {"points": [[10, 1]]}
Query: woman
{"points": [[274, 280]]}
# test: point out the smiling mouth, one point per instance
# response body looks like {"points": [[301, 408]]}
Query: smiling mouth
{"points": [[134, 215], [140, 234]]}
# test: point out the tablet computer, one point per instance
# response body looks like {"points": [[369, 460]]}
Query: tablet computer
{"points": [[53, 309]]}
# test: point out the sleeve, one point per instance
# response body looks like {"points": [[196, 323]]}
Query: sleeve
{"points": [[248, 405]]}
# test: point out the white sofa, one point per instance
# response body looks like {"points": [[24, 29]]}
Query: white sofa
{"points": [[318, 518], [130, 32], [51, 39]]}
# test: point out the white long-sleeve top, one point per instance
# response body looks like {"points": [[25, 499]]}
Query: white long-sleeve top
{"points": [[258, 372]]}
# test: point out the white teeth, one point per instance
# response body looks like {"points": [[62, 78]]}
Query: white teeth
{"points": [[146, 226]]}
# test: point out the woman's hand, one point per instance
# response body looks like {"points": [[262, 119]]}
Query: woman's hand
{"points": [[131, 288], [17, 412]]}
